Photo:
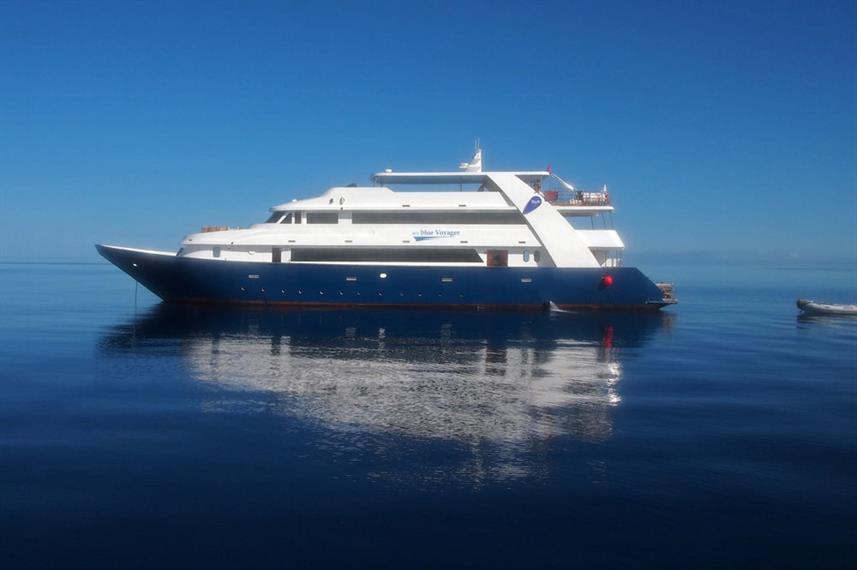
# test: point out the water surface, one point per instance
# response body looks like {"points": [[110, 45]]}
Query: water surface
{"points": [[720, 432]]}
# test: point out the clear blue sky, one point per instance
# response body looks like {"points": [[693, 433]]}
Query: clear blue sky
{"points": [[718, 125]]}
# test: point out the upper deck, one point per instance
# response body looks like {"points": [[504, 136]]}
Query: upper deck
{"points": [[381, 198], [390, 177], [578, 202], [480, 194]]}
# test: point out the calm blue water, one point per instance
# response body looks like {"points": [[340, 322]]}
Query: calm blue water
{"points": [[721, 432]]}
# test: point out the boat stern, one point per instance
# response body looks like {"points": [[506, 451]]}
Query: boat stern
{"points": [[668, 292]]}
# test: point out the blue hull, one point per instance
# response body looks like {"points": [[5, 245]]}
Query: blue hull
{"points": [[183, 279]]}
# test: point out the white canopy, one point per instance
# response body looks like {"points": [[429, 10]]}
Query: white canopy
{"points": [[449, 177]]}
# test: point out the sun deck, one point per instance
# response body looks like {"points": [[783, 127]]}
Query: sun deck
{"points": [[390, 177]]}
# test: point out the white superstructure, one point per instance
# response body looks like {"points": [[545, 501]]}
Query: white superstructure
{"points": [[464, 218]]}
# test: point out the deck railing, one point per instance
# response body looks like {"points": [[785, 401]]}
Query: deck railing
{"points": [[209, 229], [576, 198]]}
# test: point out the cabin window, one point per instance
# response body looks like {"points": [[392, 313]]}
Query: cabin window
{"points": [[276, 255], [297, 217], [537, 255], [497, 258], [593, 222], [322, 217], [509, 217], [413, 254], [287, 219], [275, 217], [216, 251], [526, 255]]}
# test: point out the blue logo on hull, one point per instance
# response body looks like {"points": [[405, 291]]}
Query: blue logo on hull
{"points": [[534, 203], [434, 234]]}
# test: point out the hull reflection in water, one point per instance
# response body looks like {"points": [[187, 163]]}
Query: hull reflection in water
{"points": [[477, 378]]}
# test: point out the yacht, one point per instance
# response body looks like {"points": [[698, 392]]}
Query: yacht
{"points": [[465, 238]]}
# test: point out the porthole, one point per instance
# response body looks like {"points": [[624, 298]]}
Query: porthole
{"points": [[537, 255], [216, 251], [526, 256]]}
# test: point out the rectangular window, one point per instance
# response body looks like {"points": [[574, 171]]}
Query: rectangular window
{"points": [[381, 255], [297, 217], [508, 217], [287, 219], [276, 255], [216, 251], [322, 217], [275, 217]]}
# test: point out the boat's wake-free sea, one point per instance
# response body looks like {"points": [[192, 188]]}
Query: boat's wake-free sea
{"points": [[164, 435]]}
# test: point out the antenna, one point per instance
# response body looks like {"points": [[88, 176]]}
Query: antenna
{"points": [[565, 184]]}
